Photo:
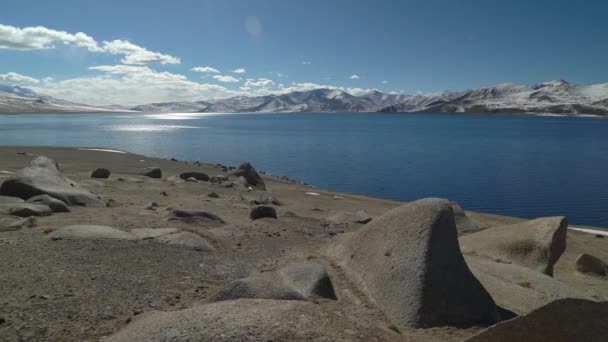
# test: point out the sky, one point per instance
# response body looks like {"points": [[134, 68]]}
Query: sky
{"points": [[134, 52]]}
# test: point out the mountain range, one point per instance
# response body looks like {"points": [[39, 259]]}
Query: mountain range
{"points": [[554, 97]]}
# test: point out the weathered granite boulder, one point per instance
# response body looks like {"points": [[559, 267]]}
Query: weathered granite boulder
{"points": [[341, 217], [90, 232], [588, 264], [28, 209], [463, 223], [152, 172], [191, 216], [310, 279], [536, 244], [199, 176], [43, 177], [57, 206], [409, 263], [252, 177], [262, 211], [563, 320], [100, 173]]}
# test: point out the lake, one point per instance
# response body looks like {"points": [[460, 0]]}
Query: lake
{"points": [[512, 165]]}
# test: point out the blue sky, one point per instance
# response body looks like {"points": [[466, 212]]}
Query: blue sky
{"points": [[143, 51]]}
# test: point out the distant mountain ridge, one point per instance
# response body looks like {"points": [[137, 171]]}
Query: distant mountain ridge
{"points": [[553, 97], [18, 100]]}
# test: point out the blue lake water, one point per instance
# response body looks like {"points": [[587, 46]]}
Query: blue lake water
{"points": [[511, 165]]}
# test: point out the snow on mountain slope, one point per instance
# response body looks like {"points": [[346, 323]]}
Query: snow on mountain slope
{"points": [[17, 100]]}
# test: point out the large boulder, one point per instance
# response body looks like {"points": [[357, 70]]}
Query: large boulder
{"points": [[520, 289], [255, 320], [27, 210], [409, 263], [43, 177], [560, 321], [341, 217], [590, 265], [251, 176], [152, 172], [100, 173], [536, 244], [310, 279], [90, 232], [192, 216], [199, 176], [262, 211], [254, 288], [57, 206]]}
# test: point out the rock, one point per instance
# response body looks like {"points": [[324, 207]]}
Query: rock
{"points": [[152, 172], [562, 320], [193, 216], [262, 211], [100, 173], [463, 223], [251, 176], [310, 279], [263, 199], [213, 195], [10, 200], [90, 232], [253, 320], [43, 177], [341, 217], [28, 209], [517, 288], [254, 288], [199, 176], [151, 206], [536, 244], [10, 225], [218, 179], [192, 180], [186, 239], [588, 264], [57, 206], [409, 263], [151, 233]]}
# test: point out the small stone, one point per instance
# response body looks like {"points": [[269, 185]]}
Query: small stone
{"points": [[213, 195]]}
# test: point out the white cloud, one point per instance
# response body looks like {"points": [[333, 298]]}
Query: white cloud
{"points": [[306, 63], [355, 77], [261, 82], [17, 78], [135, 54], [239, 71], [40, 37], [245, 88], [132, 85], [385, 82], [226, 79], [207, 69]]}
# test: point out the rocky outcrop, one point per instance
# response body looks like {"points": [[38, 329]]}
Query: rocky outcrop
{"points": [[536, 244], [41, 177], [262, 211], [310, 279], [57, 206], [251, 176], [590, 265], [409, 263], [28, 209], [255, 288], [562, 320], [100, 173], [199, 176], [464, 224], [152, 172]]}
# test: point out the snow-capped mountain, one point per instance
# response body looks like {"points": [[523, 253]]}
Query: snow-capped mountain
{"points": [[554, 97], [17, 100]]}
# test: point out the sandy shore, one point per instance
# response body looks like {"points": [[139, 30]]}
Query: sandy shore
{"points": [[85, 289]]}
